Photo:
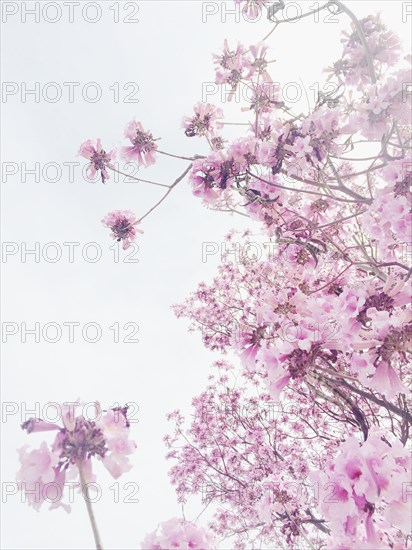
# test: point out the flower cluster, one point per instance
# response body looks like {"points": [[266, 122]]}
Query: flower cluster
{"points": [[178, 533], [368, 42], [100, 161], [363, 492], [236, 455], [122, 224], [143, 146], [78, 440], [204, 122], [301, 324], [298, 173]]}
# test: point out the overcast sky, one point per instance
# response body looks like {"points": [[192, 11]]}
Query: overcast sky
{"points": [[162, 58]]}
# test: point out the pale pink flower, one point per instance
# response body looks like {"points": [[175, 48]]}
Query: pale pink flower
{"points": [[99, 159], [143, 146], [39, 425], [41, 477], [386, 381], [258, 64], [383, 45], [252, 9], [205, 121], [38, 464], [232, 66], [365, 477], [210, 177], [114, 425], [123, 226], [301, 146], [178, 533], [77, 441]]}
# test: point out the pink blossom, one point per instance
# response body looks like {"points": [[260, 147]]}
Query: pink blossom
{"points": [[232, 65], [43, 471], [205, 122], [123, 226], [364, 477], [301, 146], [252, 9], [383, 47], [114, 425], [40, 477], [143, 145], [38, 464], [99, 159], [211, 176], [386, 381], [178, 533], [258, 63]]}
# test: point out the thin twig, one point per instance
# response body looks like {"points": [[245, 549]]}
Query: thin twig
{"points": [[171, 187]]}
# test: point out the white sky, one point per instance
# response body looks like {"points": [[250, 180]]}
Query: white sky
{"points": [[168, 55]]}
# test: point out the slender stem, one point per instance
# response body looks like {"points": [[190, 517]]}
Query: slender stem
{"points": [[85, 492], [339, 199], [178, 156], [334, 187], [171, 187], [366, 171], [138, 179], [341, 220], [352, 159], [235, 123], [333, 280], [231, 210]]}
